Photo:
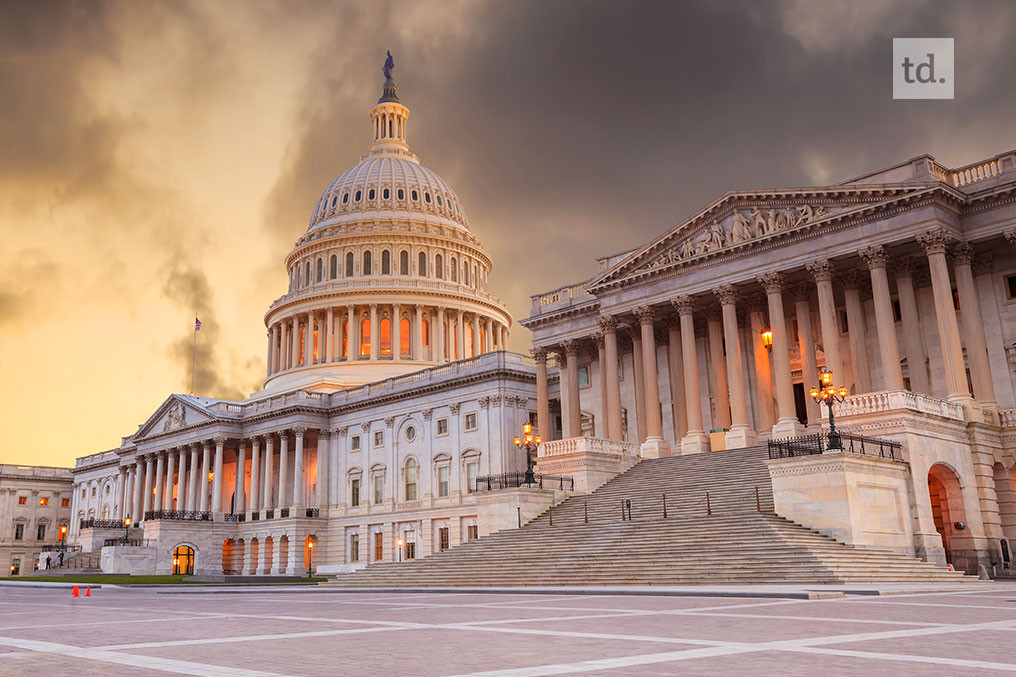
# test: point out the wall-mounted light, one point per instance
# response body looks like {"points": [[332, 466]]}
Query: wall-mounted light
{"points": [[767, 338]]}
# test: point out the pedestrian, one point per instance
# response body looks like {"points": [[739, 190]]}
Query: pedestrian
{"points": [[61, 559], [49, 561]]}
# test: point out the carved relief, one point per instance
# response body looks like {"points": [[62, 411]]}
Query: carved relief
{"points": [[176, 417]]}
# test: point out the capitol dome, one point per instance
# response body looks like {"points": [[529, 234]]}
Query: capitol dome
{"points": [[388, 278]]}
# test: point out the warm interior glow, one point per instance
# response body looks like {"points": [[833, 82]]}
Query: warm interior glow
{"points": [[767, 338], [386, 336]]}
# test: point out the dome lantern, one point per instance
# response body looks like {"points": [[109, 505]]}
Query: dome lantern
{"points": [[389, 116]]}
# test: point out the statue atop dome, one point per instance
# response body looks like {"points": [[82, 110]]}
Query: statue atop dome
{"points": [[388, 94]]}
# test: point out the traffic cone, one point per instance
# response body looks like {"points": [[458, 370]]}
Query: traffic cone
{"points": [[74, 592], [88, 591]]}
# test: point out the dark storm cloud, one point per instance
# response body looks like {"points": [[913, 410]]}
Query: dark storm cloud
{"points": [[592, 127]]}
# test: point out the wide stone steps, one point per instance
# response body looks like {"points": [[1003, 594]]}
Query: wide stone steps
{"points": [[742, 541]]}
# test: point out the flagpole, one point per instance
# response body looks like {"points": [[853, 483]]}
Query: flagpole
{"points": [[194, 350]]}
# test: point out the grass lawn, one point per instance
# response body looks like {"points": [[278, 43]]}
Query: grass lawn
{"points": [[135, 580]]}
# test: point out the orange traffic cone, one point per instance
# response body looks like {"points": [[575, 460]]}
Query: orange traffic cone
{"points": [[74, 592], [88, 591]]}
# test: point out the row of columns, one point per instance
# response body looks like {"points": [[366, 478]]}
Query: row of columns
{"points": [[333, 337], [776, 381]]}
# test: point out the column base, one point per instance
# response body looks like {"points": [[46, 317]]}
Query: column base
{"points": [[740, 436], [695, 442], [787, 427], [654, 447]]}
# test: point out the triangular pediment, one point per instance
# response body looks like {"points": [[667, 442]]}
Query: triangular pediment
{"points": [[176, 413], [740, 220]]}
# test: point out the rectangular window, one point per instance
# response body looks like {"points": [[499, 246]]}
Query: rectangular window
{"points": [[442, 535], [40, 534], [82, 492], [354, 548], [44, 500], [65, 502], [897, 313], [19, 532], [354, 443], [22, 500], [410, 537], [379, 547], [354, 492], [471, 421], [379, 438], [16, 567], [471, 532], [583, 377], [379, 489], [442, 481], [442, 426], [472, 470], [1010, 287]]}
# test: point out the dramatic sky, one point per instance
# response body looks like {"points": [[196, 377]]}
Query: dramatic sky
{"points": [[160, 159]]}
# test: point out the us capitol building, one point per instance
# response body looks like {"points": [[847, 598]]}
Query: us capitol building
{"points": [[389, 394]]}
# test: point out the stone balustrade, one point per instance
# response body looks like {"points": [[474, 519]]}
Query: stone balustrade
{"points": [[598, 445], [890, 400], [1007, 418]]}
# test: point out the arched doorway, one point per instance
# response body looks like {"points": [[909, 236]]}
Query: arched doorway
{"points": [[947, 509], [230, 565], [183, 560]]}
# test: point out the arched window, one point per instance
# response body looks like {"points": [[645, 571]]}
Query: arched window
{"points": [[365, 337], [465, 273], [349, 264], [345, 338], [439, 202], [403, 262], [476, 277], [412, 478], [426, 332], [415, 195], [370, 194], [320, 270], [306, 277], [386, 262], [183, 560], [454, 268], [386, 193], [438, 267], [426, 198], [402, 194], [404, 337], [357, 196], [386, 337], [345, 197], [335, 267], [366, 263], [421, 265]]}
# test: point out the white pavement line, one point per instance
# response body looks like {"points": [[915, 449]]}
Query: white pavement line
{"points": [[248, 638], [938, 604], [911, 658], [600, 635], [819, 618], [75, 624], [149, 662]]}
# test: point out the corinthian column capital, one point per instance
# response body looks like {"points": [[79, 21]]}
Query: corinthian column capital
{"points": [[726, 294], [935, 241], [963, 253], [685, 305], [608, 323], [822, 270], [771, 282], [874, 256], [644, 314]]}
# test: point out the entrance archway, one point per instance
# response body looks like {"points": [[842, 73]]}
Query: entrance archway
{"points": [[947, 508], [183, 560]]}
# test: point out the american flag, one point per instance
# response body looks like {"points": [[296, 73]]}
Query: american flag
{"points": [[197, 324]]}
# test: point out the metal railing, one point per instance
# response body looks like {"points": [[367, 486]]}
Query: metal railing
{"points": [[179, 515], [313, 512], [283, 512], [808, 445], [512, 480], [235, 517], [134, 542], [93, 523]]}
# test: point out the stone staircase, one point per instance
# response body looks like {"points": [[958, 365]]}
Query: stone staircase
{"points": [[74, 564], [731, 537]]}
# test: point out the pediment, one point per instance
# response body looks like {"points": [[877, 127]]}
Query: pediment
{"points": [[742, 220], [176, 413]]}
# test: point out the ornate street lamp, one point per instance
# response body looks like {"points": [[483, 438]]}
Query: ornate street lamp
{"points": [[530, 443], [399, 543], [126, 530], [767, 339], [63, 538], [829, 394], [310, 558]]}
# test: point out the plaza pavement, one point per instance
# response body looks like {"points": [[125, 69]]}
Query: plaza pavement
{"points": [[278, 631]]}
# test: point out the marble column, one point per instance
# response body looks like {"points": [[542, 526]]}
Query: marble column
{"points": [[654, 446], [973, 327], [935, 243], [696, 440], [276, 348], [375, 333], [324, 467], [329, 334], [206, 458], [266, 484], [675, 364], [217, 473], [149, 476], [195, 479], [138, 513], [741, 433], [640, 383], [573, 420], [718, 369], [476, 335], [822, 270], [488, 336], [160, 478], [806, 344], [283, 493], [601, 363], [542, 395], [240, 481], [294, 338], [298, 502], [460, 337], [787, 424], [167, 503], [614, 425], [440, 342], [396, 331], [876, 259], [913, 335], [352, 350], [181, 487], [121, 492], [254, 502], [857, 330], [762, 359], [308, 340], [418, 334]]}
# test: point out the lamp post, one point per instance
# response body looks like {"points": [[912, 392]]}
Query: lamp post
{"points": [[126, 530], [310, 558], [829, 394], [767, 339], [63, 537], [530, 443], [399, 543]]}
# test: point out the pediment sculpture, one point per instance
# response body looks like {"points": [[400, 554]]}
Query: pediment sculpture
{"points": [[176, 417]]}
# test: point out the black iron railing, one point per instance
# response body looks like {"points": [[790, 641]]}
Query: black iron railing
{"points": [[136, 542], [313, 512], [511, 480], [93, 523], [255, 516], [807, 445], [269, 514], [235, 517], [179, 515], [283, 512]]}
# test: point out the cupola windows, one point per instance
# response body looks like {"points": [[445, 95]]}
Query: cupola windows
{"points": [[386, 263], [334, 199], [404, 263], [345, 197], [401, 194], [438, 267], [426, 198], [335, 267], [415, 195], [349, 264], [357, 196], [370, 194], [366, 263], [421, 265]]}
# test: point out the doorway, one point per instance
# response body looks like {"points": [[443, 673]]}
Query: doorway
{"points": [[183, 561]]}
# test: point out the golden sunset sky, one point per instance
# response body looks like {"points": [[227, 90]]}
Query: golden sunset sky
{"points": [[159, 159]]}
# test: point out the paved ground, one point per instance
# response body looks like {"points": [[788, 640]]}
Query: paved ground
{"points": [[43, 631]]}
